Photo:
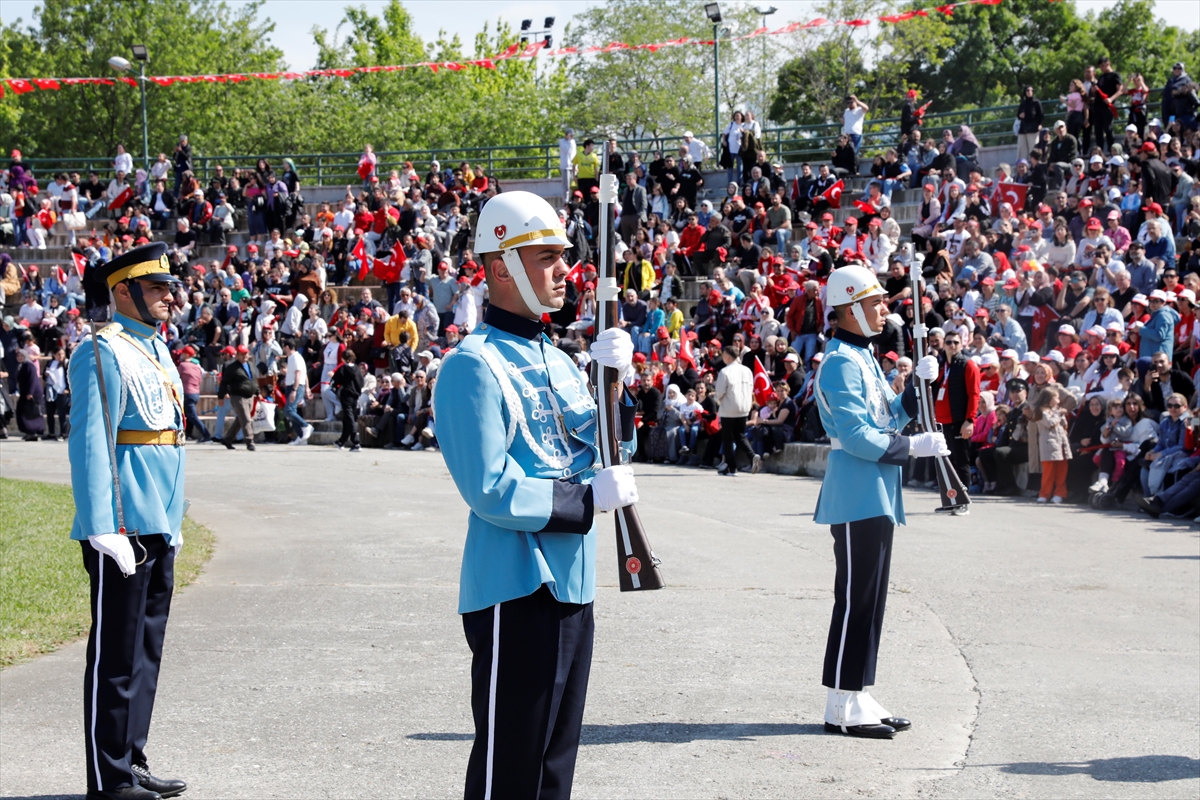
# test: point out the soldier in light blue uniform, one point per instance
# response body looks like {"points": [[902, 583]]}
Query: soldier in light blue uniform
{"points": [[860, 497], [129, 548], [517, 426]]}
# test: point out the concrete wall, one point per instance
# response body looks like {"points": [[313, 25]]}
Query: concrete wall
{"points": [[799, 459]]}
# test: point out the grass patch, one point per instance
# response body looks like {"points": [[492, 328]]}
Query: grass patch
{"points": [[43, 585]]}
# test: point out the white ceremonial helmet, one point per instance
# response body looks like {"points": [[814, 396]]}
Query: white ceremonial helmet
{"points": [[847, 286], [519, 219]]}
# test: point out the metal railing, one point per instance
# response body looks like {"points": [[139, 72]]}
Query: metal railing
{"points": [[794, 144]]}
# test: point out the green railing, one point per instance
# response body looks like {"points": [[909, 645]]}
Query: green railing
{"points": [[992, 126]]}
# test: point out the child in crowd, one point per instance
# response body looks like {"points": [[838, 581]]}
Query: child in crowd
{"points": [[1113, 434], [1049, 424]]}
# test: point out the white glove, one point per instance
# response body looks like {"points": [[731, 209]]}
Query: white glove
{"points": [[927, 368], [118, 548], [927, 444], [614, 349], [178, 547], [614, 487]]}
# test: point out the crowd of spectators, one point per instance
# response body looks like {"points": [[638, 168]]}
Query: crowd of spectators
{"points": [[1063, 312]]}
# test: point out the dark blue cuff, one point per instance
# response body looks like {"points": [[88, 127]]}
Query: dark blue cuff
{"points": [[572, 509], [626, 409], [897, 452], [909, 399]]}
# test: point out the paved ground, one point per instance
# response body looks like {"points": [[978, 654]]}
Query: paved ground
{"points": [[1039, 651]]}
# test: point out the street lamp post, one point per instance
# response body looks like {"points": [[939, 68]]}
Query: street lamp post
{"points": [[713, 12], [142, 56], [764, 13]]}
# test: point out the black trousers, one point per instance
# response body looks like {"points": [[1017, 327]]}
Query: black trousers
{"points": [[349, 422], [529, 675], [863, 551], [960, 449], [129, 619], [733, 437]]}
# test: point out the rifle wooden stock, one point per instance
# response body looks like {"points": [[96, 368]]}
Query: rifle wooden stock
{"points": [[637, 567], [954, 494]]}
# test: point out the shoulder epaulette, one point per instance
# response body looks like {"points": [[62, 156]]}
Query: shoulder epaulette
{"points": [[110, 330]]}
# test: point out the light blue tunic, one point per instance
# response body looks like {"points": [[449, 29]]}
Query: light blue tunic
{"points": [[863, 477], [517, 427], [151, 475]]}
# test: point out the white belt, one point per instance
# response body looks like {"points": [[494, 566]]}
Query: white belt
{"points": [[834, 444]]}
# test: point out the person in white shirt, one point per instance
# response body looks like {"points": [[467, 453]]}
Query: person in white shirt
{"points": [[293, 321], [345, 217], [123, 162], [31, 312], [734, 393], [160, 168], [295, 389], [697, 149], [566, 155], [852, 120]]}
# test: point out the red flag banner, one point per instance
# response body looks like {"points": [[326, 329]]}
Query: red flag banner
{"points": [[80, 263], [685, 348], [517, 50], [1013, 193], [575, 276], [865, 207], [762, 384], [121, 199], [833, 195], [360, 252]]}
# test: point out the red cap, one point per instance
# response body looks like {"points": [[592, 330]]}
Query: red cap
{"points": [[827, 215], [1149, 147], [639, 358], [451, 328], [252, 248], [812, 226], [662, 332], [988, 281], [891, 356], [1045, 209], [715, 343], [982, 313], [972, 188], [875, 223], [911, 93], [1023, 248], [200, 268], [189, 352], [1155, 207], [231, 249], [1085, 202], [589, 285], [228, 351], [759, 205], [74, 312], [1094, 224], [1012, 283]]}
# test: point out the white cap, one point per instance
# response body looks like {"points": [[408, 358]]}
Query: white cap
{"points": [[1164, 139], [1156, 123], [989, 360], [936, 332], [425, 354], [1030, 358], [1096, 330], [1114, 193], [1188, 293], [818, 357], [1096, 159], [1158, 294], [1067, 329], [976, 359], [1117, 161], [1140, 298], [1110, 350], [791, 358], [1010, 353], [1131, 128], [687, 134], [1055, 356], [1114, 326]]}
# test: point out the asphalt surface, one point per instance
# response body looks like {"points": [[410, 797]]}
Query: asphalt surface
{"points": [[1040, 652]]}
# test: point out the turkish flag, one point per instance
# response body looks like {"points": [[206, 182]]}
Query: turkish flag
{"points": [[364, 169], [19, 85], [833, 195], [1013, 193], [1043, 318], [121, 199], [575, 276], [389, 271], [866, 208], [61, 275], [685, 348], [762, 383], [80, 263], [360, 252]]}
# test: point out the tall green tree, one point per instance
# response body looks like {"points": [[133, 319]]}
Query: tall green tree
{"points": [[72, 38], [1137, 41]]}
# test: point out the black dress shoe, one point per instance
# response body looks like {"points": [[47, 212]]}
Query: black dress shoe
{"points": [[862, 731], [228, 445], [1152, 506], [165, 787], [899, 723], [125, 793], [250, 446]]}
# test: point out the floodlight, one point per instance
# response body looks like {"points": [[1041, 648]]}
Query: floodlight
{"points": [[140, 52], [549, 22], [526, 24], [120, 64], [713, 11]]}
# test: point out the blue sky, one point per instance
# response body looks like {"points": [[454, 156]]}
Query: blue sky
{"points": [[295, 19]]}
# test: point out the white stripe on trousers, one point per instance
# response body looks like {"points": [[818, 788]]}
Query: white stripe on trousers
{"points": [[491, 747], [837, 679], [96, 671]]}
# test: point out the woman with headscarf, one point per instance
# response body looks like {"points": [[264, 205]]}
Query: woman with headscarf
{"points": [[965, 148], [671, 420], [291, 179], [31, 419]]}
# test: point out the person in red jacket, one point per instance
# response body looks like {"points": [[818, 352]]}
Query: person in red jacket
{"points": [[806, 319], [956, 402], [691, 241]]}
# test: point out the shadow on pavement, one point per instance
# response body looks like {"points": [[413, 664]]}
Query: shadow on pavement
{"points": [[676, 732], [1174, 558], [1134, 769], [662, 732]]}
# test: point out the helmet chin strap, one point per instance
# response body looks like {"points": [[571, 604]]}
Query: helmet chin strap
{"points": [[861, 319], [516, 268], [139, 302]]}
